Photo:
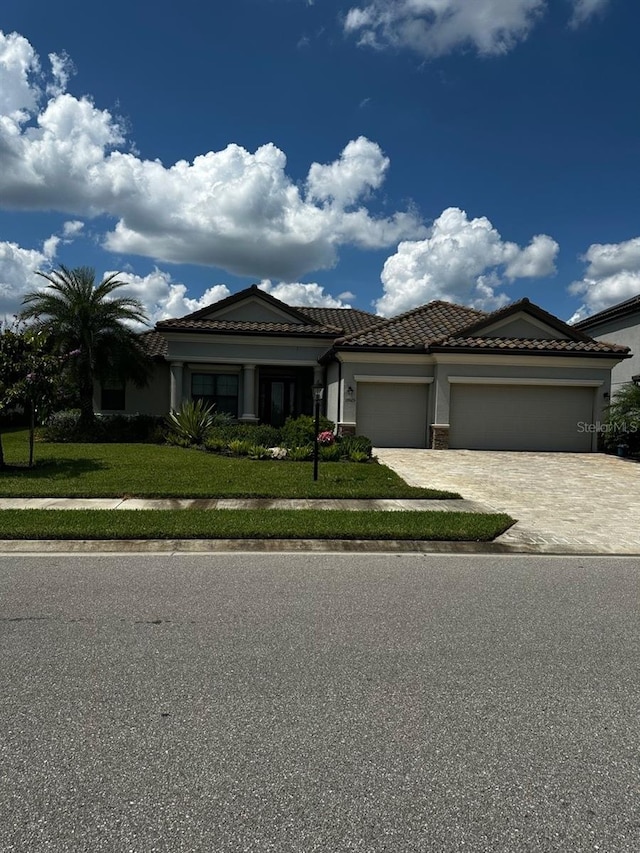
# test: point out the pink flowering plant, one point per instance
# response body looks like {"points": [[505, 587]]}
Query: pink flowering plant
{"points": [[326, 437]]}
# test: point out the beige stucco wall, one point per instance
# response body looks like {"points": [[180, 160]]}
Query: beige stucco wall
{"points": [[624, 331], [151, 400]]}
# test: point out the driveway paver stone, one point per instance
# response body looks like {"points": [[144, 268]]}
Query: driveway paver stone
{"points": [[589, 501]]}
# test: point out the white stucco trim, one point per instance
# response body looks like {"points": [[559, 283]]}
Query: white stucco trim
{"points": [[322, 344], [211, 367], [415, 380], [527, 360], [519, 380], [384, 358], [239, 361]]}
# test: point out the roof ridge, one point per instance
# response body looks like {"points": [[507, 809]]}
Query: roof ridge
{"points": [[611, 311]]}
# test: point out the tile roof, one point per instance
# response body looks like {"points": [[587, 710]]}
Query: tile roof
{"points": [[436, 327], [348, 320], [414, 328], [154, 344], [629, 306], [255, 327], [528, 345], [313, 321]]}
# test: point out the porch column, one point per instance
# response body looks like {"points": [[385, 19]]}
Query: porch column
{"points": [[249, 394], [176, 368]]}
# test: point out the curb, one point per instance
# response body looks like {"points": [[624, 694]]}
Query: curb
{"points": [[294, 546]]}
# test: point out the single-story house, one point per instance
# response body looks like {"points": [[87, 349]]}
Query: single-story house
{"points": [[619, 324], [441, 375]]}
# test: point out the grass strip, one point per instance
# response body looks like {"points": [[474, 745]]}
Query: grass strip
{"points": [[157, 471], [248, 524]]}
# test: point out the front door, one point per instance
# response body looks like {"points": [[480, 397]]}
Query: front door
{"points": [[277, 400]]}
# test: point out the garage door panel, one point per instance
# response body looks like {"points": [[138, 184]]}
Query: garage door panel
{"points": [[520, 417], [392, 414]]}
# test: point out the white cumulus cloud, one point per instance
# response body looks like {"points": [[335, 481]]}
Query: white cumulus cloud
{"points": [[434, 28], [461, 260], [234, 209], [612, 275], [18, 273], [309, 295], [19, 64], [162, 297]]}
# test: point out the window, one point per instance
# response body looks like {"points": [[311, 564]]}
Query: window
{"points": [[216, 389], [112, 395]]}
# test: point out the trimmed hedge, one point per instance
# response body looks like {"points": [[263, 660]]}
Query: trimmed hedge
{"points": [[64, 427]]}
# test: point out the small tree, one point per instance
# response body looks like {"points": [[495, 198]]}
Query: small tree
{"points": [[31, 377], [623, 419]]}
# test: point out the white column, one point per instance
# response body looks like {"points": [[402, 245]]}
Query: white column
{"points": [[249, 393], [176, 368]]}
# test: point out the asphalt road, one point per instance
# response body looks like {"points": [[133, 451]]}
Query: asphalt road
{"points": [[319, 703]]}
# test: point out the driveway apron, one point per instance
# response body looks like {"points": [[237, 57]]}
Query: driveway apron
{"points": [[586, 500]]}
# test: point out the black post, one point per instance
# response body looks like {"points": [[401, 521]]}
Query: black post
{"points": [[316, 406]]}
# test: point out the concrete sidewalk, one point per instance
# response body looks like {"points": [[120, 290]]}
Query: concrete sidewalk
{"points": [[385, 505]]}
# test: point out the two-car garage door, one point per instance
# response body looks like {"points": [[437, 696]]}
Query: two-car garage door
{"points": [[521, 417], [482, 416]]}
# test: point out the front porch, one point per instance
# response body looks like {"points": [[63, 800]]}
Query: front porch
{"points": [[250, 393]]}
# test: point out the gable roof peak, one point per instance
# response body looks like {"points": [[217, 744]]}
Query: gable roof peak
{"points": [[529, 307], [253, 291]]}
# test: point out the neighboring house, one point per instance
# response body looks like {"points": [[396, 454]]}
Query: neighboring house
{"points": [[442, 375], [619, 324]]}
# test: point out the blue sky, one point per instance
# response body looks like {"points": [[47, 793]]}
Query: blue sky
{"points": [[376, 154]]}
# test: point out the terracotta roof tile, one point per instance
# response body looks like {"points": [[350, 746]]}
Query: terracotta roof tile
{"points": [[348, 320], [528, 345], [415, 328], [154, 344], [246, 327]]}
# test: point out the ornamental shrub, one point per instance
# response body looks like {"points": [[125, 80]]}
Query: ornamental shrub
{"points": [[300, 454], [300, 431], [191, 422], [240, 448], [64, 427], [330, 452], [622, 424], [355, 443], [257, 451]]}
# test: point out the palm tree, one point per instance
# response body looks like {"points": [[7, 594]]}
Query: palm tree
{"points": [[87, 320]]}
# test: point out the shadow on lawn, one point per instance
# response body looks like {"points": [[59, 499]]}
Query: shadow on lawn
{"points": [[53, 469]]}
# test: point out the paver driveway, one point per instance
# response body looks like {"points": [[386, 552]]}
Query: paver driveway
{"points": [[563, 501]]}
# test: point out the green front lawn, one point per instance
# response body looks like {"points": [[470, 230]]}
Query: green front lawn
{"points": [[154, 471], [246, 524]]}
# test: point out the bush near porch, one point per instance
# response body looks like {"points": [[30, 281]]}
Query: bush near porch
{"points": [[197, 426]]}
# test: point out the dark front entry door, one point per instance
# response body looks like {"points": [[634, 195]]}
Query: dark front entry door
{"points": [[277, 400]]}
